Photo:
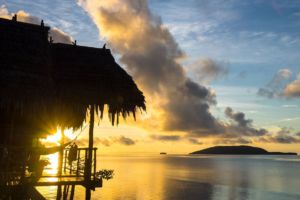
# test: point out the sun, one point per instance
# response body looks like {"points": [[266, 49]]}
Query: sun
{"points": [[56, 137], [54, 140]]}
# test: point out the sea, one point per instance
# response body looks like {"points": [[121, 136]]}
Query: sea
{"points": [[196, 177]]}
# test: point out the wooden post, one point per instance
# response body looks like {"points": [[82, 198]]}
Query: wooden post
{"points": [[60, 162], [72, 192], [78, 163], [95, 165], [90, 152], [65, 161]]}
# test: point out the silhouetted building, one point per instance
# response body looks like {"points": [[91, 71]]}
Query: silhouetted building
{"points": [[44, 85], [55, 83]]}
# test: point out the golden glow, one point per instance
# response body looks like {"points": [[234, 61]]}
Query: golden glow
{"points": [[52, 168], [55, 138]]}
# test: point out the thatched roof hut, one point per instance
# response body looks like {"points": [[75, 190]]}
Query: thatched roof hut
{"points": [[43, 84], [85, 76]]}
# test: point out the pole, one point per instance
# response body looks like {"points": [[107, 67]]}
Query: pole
{"points": [[60, 163], [90, 152]]}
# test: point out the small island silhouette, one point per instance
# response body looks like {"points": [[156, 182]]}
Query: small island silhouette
{"points": [[239, 150]]}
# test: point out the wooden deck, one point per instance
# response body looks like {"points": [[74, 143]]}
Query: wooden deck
{"points": [[54, 181], [70, 175]]}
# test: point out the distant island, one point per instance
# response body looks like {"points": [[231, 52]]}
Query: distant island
{"points": [[163, 153], [239, 150]]}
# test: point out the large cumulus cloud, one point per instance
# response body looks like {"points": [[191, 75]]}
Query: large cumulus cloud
{"points": [[151, 55]]}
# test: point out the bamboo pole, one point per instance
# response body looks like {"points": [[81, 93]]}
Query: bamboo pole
{"points": [[90, 152]]}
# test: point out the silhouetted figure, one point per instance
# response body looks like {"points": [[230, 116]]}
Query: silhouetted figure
{"points": [[72, 153], [104, 46], [51, 39], [14, 18], [74, 43], [42, 23]]}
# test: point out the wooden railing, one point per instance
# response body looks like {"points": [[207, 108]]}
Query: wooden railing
{"points": [[14, 166], [78, 166]]}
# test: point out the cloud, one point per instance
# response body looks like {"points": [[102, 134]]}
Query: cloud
{"points": [[283, 136], [232, 141], [166, 137], [104, 141], [293, 89], [290, 106], [59, 36], [112, 140], [206, 70], [286, 139], [151, 55], [194, 141], [26, 17], [282, 139], [241, 126], [4, 12], [22, 16], [124, 140], [238, 117], [175, 138], [274, 87]]}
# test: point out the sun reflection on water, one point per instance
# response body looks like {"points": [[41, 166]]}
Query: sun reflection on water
{"points": [[51, 169], [54, 140]]}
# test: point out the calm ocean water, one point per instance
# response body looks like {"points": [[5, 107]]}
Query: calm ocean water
{"points": [[178, 177]]}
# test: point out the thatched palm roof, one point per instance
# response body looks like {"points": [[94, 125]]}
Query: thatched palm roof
{"points": [[24, 67], [86, 76], [42, 83]]}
